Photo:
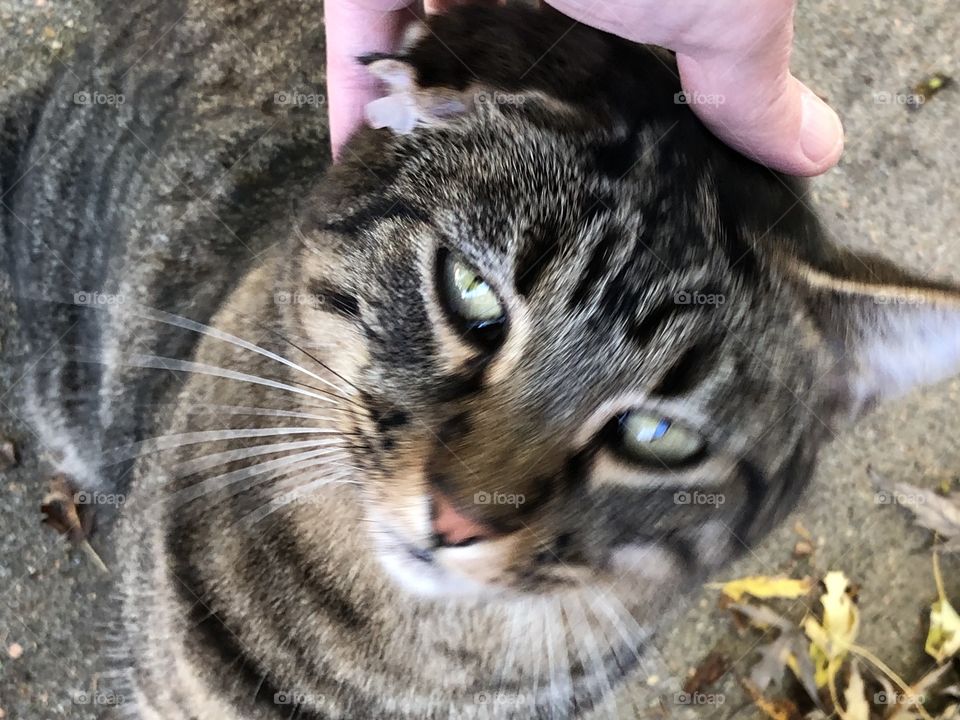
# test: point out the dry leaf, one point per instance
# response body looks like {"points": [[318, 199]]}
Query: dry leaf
{"points": [[713, 667], [789, 650], [939, 513], [855, 696], [831, 638], [62, 514], [943, 639], [764, 587], [773, 709]]}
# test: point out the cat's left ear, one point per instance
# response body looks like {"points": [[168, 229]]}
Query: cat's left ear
{"points": [[895, 331]]}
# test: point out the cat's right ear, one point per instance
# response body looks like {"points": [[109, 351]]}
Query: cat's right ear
{"points": [[894, 331]]}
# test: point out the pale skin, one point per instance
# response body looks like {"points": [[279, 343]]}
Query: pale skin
{"points": [[733, 57]]}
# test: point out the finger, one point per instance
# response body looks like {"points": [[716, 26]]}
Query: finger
{"points": [[736, 54], [355, 28], [764, 112]]}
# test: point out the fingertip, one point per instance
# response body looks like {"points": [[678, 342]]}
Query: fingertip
{"points": [[821, 133]]}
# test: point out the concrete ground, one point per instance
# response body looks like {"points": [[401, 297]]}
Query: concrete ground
{"points": [[894, 192]]}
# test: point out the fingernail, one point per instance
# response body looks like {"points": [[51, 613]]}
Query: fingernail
{"points": [[821, 132]]}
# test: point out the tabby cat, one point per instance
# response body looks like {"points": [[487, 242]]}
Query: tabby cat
{"points": [[440, 431]]}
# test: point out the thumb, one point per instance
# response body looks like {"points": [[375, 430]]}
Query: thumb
{"points": [[760, 109]]}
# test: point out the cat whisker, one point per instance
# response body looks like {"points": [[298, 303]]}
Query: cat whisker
{"points": [[290, 497], [159, 362], [220, 482], [205, 462], [196, 408], [614, 609], [172, 441], [552, 662], [192, 325], [593, 653], [566, 688]]}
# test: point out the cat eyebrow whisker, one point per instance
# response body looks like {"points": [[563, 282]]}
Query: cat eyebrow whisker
{"points": [[310, 355]]}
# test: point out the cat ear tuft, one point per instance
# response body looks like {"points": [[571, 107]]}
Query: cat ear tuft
{"points": [[894, 331]]}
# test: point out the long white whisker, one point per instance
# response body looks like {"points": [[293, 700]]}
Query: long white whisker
{"points": [[564, 666], [169, 442], [220, 482], [615, 610], [552, 652], [221, 458], [593, 651], [196, 408], [187, 324], [157, 362], [293, 496]]}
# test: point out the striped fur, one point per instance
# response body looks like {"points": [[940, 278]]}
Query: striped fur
{"points": [[270, 375]]}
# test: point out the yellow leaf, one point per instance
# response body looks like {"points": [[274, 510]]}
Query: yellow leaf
{"points": [[855, 696], [763, 587], [943, 640], [831, 638]]}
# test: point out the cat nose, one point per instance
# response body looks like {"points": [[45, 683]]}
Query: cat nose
{"points": [[451, 528]]}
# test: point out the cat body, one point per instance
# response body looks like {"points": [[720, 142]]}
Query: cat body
{"points": [[385, 428]]}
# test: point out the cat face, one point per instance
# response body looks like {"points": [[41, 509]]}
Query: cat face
{"points": [[588, 342], [569, 377]]}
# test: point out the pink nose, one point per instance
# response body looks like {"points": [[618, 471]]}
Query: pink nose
{"points": [[452, 528]]}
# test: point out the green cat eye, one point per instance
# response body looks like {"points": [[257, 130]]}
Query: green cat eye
{"points": [[470, 300], [473, 299], [657, 440]]}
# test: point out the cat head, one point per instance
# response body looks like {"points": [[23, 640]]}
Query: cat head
{"points": [[591, 342]]}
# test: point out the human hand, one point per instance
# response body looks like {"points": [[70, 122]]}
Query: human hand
{"points": [[734, 54]]}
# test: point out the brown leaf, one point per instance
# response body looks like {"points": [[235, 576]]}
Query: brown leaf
{"points": [[61, 513], [777, 709], [713, 667]]}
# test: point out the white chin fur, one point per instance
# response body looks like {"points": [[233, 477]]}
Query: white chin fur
{"points": [[421, 578]]}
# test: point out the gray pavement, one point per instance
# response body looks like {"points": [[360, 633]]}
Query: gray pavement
{"points": [[894, 192]]}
